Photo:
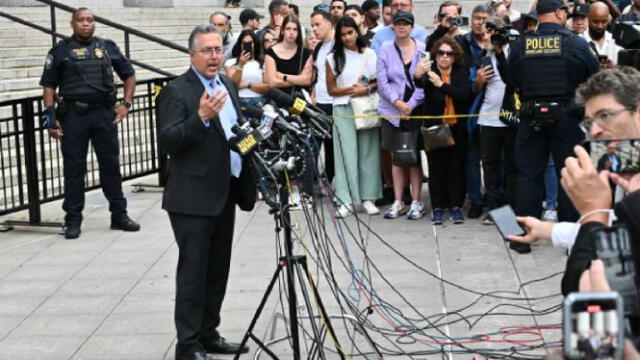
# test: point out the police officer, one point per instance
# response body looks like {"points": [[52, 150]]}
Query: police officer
{"points": [[546, 66], [82, 70]]}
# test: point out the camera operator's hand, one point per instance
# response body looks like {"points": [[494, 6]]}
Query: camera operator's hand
{"points": [[587, 189], [446, 22], [629, 183], [594, 279], [536, 230]]}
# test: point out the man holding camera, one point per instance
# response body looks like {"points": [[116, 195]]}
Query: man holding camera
{"points": [[546, 67]]}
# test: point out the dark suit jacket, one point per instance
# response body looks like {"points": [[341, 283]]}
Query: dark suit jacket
{"points": [[199, 178]]}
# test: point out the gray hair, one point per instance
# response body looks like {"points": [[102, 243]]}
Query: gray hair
{"points": [[202, 29], [623, 82], [482, 8]]}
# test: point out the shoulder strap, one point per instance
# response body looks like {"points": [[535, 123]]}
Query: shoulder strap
{"points": [[406, 71]]}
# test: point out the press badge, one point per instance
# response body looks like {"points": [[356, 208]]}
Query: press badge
{"points": [[548, 45]]}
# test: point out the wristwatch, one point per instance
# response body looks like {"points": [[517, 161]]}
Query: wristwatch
{"points": [[127, 104]]}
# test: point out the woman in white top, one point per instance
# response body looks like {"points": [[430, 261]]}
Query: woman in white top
{"points": [[246, 70], [350, 72]]}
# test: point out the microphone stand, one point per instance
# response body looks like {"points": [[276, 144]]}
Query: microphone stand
{"points": [[295, 266]]}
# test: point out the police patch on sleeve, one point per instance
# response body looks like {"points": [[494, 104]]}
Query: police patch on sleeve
{"points": [[549, 45], [48, 62]]}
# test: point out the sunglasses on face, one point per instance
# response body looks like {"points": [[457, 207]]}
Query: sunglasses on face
{"points": [[445, 53]]}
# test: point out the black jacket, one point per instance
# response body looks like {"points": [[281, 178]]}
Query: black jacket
{"points": [[199, 179], [434, 98]]}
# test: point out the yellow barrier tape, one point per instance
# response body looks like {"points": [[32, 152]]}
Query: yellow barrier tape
{"points": [[423, 117]]}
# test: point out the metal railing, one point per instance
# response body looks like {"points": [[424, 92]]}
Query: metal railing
{"points": [[31, 161], [128, 31]]}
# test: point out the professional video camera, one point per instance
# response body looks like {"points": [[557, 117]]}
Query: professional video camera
{"points": [[502, 35], [627, 35]]}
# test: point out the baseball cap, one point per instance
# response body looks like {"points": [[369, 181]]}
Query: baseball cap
{"points": [[369, 4], [533, 15], [403, 16], [547, 6], [580, 10], [249, 14]]}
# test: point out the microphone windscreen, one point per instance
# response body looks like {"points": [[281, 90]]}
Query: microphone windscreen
{"points": [[252, 112], [281, 98]]}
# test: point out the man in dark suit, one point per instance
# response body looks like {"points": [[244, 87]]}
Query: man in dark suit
{"points": [[205, 182], [610, 161]]}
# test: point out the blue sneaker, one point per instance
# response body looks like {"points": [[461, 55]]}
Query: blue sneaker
{"points": [[456, 215], [438, 216]]}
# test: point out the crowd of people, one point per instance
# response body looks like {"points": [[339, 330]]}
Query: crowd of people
{"points": [[514, 96], [453, 80]]}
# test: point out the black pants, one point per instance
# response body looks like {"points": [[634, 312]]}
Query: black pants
{"points": [[95, 125], [447, 184], [532, 155], [328, 145], [497, 146], [204, 244]]}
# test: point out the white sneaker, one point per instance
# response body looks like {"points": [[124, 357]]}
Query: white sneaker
{"points": [[416, 211], [344, 211], [550, 216], [370, 208]]}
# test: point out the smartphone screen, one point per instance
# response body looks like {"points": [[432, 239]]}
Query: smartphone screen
{"points": [[620, 156], [506, 222], [592, 326], [613, 246], [486, 61], [246, 46]]}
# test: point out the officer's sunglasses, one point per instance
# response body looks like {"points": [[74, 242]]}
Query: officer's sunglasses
{"points": [[601, 118]]}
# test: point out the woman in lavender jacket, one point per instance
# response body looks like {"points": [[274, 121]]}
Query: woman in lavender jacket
{"points": [[396, 65]]}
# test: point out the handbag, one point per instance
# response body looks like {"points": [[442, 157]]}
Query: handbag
{"points": [[366, 105], [405, 152], [437, 137]]}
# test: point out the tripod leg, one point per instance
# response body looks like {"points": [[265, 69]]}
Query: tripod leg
{"points": [[317, 339], [263, 302], [323, 311]]}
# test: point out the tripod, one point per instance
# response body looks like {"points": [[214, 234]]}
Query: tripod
{"points": [[295, 266]]}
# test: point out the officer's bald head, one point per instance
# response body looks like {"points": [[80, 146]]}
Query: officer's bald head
{"points": [[79, 10], [83, 24]]}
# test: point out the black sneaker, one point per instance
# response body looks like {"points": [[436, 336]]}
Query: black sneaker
{"points": [[475, 211], [520, 248], [125, 224], [72, 231], [387, 197], [488, 220]]}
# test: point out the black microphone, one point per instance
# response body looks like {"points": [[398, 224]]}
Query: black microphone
{"points": [[298, 106], [246, 139], [269, 117]]}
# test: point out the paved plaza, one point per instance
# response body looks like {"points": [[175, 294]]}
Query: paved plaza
{"points": [[410, 286]]}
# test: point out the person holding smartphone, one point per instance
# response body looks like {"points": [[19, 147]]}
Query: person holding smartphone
{"points": [[246, 70]]}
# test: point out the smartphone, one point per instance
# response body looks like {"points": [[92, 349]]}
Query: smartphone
{"points": [[603, 58], [591, 326], [506, 222], [486, 61], [620, 156], [613, 246], [247, 47]]}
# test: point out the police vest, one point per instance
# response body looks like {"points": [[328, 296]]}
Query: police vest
{"points": [[87, 70], [545, 68]]}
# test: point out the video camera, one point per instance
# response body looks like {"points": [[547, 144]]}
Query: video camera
{"points": [[501, 35], [627, 35]]}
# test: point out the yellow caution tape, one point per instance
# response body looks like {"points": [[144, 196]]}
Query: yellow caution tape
{"points": [[423, 117]]}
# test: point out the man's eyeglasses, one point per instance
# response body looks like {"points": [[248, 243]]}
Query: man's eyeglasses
{"points": [[601, 118], [445, 53], [211, 51]]}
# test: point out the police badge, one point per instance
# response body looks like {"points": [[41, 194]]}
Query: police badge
{"points": [[48, 62], [99, 53]]}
